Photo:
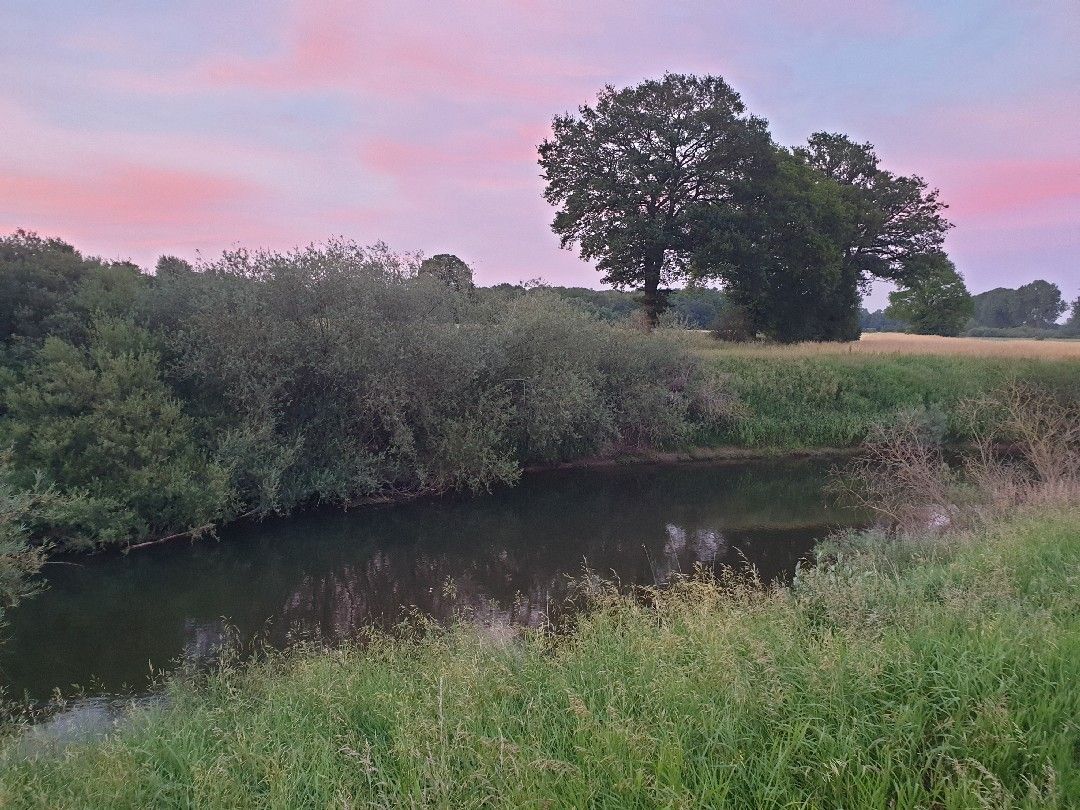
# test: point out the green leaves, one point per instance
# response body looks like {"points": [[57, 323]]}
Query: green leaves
{"points": [[672, 179], [100, 424], [936, 302], [632, 175]]}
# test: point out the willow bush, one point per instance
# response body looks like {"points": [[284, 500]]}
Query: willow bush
{"points": [[263, 382]]}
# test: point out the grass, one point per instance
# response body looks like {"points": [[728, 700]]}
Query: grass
{"points": [[833, 395], [893, 343], [930, 673]]}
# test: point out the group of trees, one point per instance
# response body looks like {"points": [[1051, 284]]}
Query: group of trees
{"points": [[690, 308], [673, 180], [137, 405], [935, 302], [1037, 305]]}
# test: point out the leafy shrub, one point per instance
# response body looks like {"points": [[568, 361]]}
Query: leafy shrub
{"points": [[348, 375], [100, 426], [19, 560], [733, 325]]}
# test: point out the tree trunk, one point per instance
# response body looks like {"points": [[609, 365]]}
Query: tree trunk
{"points": [[651, 299]]}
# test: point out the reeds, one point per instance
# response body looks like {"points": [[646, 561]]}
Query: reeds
{"points": [[1023, 452]]}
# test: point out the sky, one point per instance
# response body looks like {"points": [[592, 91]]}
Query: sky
{"points": [[133, 129]]}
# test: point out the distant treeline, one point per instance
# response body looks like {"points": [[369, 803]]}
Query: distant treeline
{"points": [[689, 308], [1032, 311]]}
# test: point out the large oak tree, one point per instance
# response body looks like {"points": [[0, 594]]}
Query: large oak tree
{"points": [[673, 178], [633, 174]]}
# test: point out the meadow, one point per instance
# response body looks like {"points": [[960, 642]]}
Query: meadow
{"points": [[900, 343], [817, 395]]}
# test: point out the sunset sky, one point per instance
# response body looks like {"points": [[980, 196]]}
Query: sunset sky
{"points": [[152, 127]]}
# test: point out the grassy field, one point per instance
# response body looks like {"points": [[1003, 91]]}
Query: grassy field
{"points": [[831, 395], [893, 343], [932, 673]]}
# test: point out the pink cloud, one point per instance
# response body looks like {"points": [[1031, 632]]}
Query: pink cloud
{"points": [[993, 187], [122, 194], [332, 44]]}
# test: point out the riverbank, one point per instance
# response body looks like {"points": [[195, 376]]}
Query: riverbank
{"points": [[932, 671], [817, 399]]}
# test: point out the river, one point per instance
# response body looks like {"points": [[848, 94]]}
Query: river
{"points": [[104, 623]]}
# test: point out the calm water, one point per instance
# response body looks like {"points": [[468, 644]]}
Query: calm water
{"points": [[105, 621]]}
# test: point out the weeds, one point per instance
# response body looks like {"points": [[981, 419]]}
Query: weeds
{"points": [[1024, 452]]}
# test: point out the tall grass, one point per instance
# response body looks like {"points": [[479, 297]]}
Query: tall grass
{"points": [[797, 401], [938, 673]]}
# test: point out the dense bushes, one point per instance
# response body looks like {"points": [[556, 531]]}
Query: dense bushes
{"points": [[263, 382], [100, 422]]}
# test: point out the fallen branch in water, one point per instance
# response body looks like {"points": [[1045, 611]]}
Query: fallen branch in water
{"points": [[194, 534]]}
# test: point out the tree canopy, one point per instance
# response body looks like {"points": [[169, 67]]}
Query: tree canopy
{"points": [[450, 270], [936, 302], [675, 179], [633, 174], [1037, 304]]}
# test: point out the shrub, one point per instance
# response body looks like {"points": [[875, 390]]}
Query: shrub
{"points": [[349, 375], [734, 325], [1026, 451], [100, 426]]}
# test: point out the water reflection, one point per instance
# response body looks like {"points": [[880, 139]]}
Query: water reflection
{"points": [[107, 623]]}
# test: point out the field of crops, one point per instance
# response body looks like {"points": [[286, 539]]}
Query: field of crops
{"points": [[876, 343]]}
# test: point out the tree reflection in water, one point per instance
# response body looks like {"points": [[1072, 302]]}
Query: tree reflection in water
{"points": [[498, 560]]}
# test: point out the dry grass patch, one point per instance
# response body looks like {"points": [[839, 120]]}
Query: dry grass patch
{"points": [[893, 343]]}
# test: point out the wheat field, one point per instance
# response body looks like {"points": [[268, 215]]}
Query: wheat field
{"points": [[886, 343]]}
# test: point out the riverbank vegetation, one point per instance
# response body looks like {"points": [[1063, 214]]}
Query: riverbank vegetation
{"points": [[149, 405], [816, 396], [923, 666], [141, 406]]}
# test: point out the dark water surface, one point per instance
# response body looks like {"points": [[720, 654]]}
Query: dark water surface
{"points": [[105, 621]]}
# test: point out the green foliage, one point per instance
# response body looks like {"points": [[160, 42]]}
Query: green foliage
{"points": [[19, 559], [673, 179], [694, 307], [734, 325], [926, 673], [836, 401], [38, 279], [1072, 326], [780, 253], [1036, 305], [150, 405], [898, 220], [348, 376], [100, 425], [154, 405], [450, 270], [632, 173], [1022, 332], [878, 321], [814, 227], [936, 302]]}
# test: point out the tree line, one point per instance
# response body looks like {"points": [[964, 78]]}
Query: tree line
{"points": [[1031, 310]]}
